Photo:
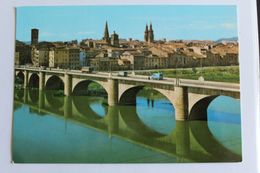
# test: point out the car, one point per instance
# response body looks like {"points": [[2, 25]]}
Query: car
{"points": [[87, 69], [122, 73], [156, 76], [43, 67]]}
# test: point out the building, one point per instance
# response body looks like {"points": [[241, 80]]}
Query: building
{"points": [[153, 62], [114, 52], [136, 58], [82, 58], [104, 64], [34, 36], [87, 42], [74, 58], [17, 59], [91, 54], [65, 58], [40, 56], [22, 53], [59, 58]]}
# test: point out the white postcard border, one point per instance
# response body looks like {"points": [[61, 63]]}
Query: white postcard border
{"points": [[249, 74]]}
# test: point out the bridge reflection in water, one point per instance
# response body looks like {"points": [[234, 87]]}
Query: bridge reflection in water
{"points": [[189, 141]]}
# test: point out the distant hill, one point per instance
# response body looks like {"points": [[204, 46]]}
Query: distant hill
{"points": [[27, 42], [23, 42], [232, 39]]}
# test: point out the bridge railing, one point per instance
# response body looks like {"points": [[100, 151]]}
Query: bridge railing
{"points": [[210, 84]]}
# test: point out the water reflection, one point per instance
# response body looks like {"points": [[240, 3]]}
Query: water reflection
{"points": [[187, 142]]}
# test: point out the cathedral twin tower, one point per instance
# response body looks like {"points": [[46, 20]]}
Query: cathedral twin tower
{"points": [[148, 34]]}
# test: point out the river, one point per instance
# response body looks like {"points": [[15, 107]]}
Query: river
{"points": [[51, 128]]}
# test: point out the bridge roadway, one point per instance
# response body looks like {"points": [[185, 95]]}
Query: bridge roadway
{"points": [[141, 78], [190, 98]]}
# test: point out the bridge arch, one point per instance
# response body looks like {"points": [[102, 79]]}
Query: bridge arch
{"points": [[80, 86], [200, 131], [139, 118], [83, 108], [127, 95], [54, 82], [130, 117], [33, 80], [33, 96], [53, 102], [19, 94], [19, 77], [199, 109]]}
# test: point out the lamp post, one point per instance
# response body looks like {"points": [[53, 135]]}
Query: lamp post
{"points": [[200, 66], [201, 78], [110, 68], [176, 73], [133, 73]]}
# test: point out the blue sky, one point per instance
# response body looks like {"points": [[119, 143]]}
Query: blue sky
{"points": [[61, 23]]}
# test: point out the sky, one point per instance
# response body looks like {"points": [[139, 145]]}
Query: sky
{"points": [[173, 22]]}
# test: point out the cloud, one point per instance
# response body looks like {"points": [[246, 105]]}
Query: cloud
{"points": [[229, 25], [47, 34]]}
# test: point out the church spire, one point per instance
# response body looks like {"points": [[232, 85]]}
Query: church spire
{"points": [[146, 33], [150, 34], [106, 33], [151, 27]]}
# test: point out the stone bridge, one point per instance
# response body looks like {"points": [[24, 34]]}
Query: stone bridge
{"points": [[190, 98]]}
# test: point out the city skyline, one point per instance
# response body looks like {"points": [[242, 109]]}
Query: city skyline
{"points": [[170, 22]]}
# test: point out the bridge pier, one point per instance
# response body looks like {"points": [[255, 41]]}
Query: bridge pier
{"points": [[25, 95], [41, 81], [67, 107], [67, 84], [182, 139], [181, 103], [112, 92], [26, 79], [112, 120], [41, 100]]}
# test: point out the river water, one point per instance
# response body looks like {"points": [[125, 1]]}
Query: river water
{"points": [[51, 128]]}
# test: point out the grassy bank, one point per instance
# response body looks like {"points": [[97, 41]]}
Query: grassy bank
{"points": [[221, 74]]}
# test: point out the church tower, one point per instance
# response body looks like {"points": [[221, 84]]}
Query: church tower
{"points": [[150, 34], [34, 36], [106, 34], [115, 39], [146, 33]]}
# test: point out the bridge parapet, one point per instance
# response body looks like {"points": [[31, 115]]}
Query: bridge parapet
{"points": [[225, 86], [151, 85]]}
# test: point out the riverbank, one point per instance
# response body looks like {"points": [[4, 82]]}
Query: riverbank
{"points": [[219, 74]]}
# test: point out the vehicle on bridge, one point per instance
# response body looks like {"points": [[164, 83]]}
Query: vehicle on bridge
{"points": [[87, 69], [42, 67], [122, 73], [156, 76]]}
